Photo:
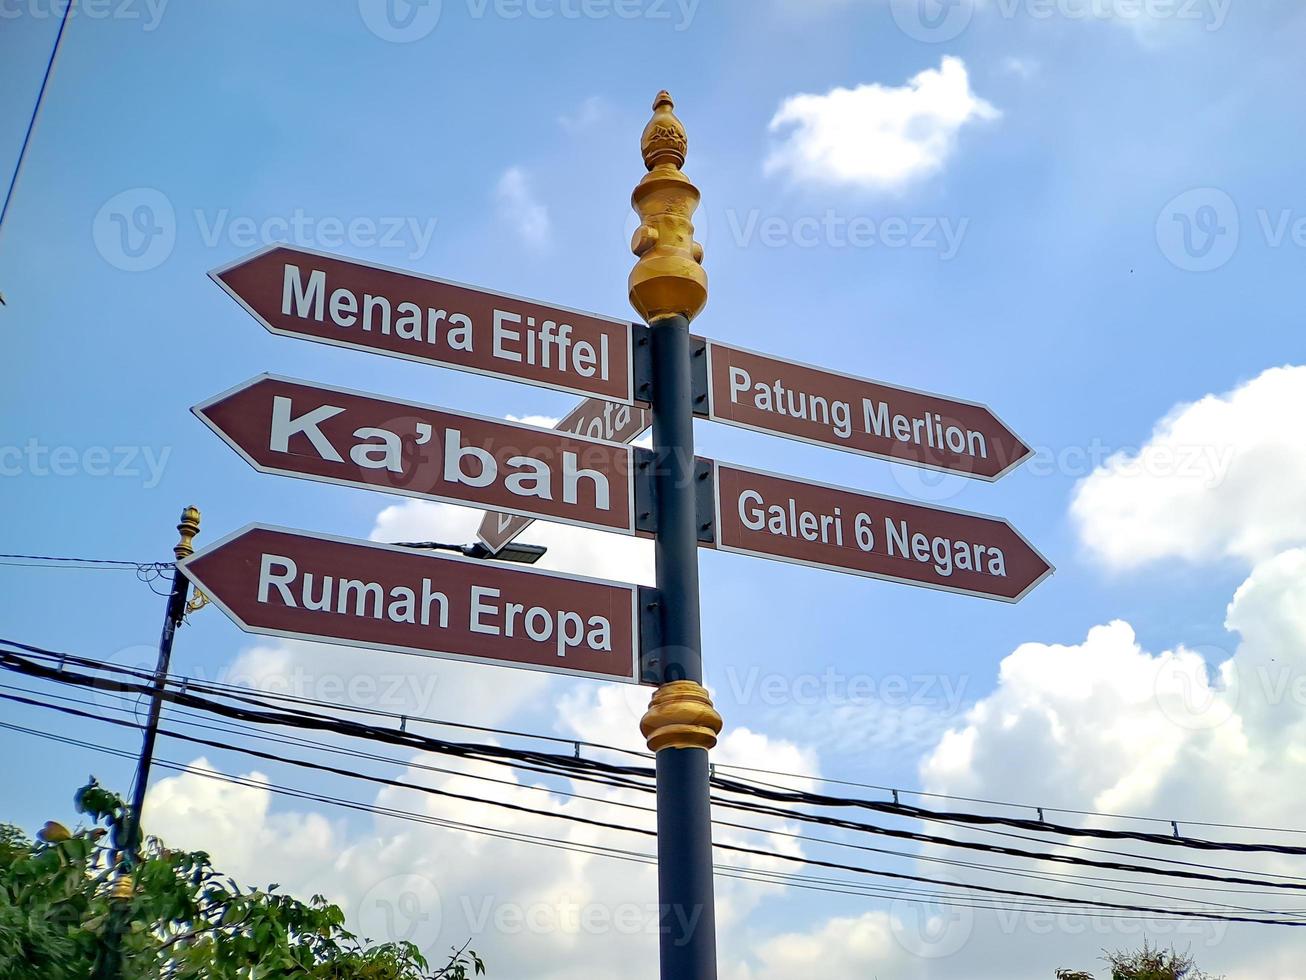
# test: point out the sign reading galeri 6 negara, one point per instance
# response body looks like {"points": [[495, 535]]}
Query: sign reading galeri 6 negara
{"points": [[772, 516], [300, 293], [303, 586], [336, 436]]}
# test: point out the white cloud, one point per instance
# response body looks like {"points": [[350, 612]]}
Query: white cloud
{"points": [[1109, 726], [1223, 477], [586, 115], [535, 913], [875, 136], [519, 207], [1020, 67]]}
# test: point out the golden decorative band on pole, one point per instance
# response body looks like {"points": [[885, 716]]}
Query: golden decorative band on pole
{"points": [[680, 716], [668, 279], [188, 528]]}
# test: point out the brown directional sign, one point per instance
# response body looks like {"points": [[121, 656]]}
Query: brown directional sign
{"points": [[810, 404], [844, 530], [595, 418], [300, 293], [336, 436], [303, 586]]}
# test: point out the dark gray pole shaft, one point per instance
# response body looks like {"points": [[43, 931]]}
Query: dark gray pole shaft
{"points": [[688, 923], [110, 960], [176, 612]]}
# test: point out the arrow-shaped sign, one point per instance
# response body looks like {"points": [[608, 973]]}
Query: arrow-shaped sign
{"points": [[785, 398], [296, 292], [770, 516], [338, 436], [293, 584]]}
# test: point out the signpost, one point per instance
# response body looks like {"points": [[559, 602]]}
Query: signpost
{"points": [[313, 587], [336, 436], [595, 418], [583, 472], [810, 404], [295, 292], [769, 516]]}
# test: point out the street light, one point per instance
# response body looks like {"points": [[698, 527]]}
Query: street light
{"points": [[522, 554]]}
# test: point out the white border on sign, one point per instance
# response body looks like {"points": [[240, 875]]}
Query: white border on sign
{"points": [[714, 417], [199, 409], [716, 493], [636, 638], [628, 399]]}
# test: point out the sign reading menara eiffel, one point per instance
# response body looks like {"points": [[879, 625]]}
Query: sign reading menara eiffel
{"points": [[586, 473]]}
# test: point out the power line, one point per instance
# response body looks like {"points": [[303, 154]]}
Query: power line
{"points": [[36, 111], [1057, 878], [241, 693], [758, 875], [607, 825]]}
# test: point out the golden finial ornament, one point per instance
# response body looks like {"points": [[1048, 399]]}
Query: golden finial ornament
{"points": [[123, 888], [680, 716], [668, 280], [188, 529]]}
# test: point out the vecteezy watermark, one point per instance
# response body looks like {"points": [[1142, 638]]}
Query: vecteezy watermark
{"points": [[149, 13], [1106, 928], [1205, 464], [932, 929], [936, 233], [402, 909], [565, 916], [137, 230], [35, 459], [939, 21], [406, 21], [1200, 230], [833, 688]]}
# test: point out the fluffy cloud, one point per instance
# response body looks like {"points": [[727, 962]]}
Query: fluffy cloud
{"points": [[519, 207], [875, 136], [1107, 725], [1219, 478], [537, 913]]}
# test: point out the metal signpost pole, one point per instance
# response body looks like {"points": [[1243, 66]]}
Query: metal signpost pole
{"points": [[109, 966], [669, 287]]}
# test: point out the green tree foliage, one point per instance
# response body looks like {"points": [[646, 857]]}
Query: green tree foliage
{"points": [[182, 919], [1149, 964]]}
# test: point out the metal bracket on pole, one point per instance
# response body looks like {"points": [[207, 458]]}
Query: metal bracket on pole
{"points": [[646, 510], [698, 373], [642, 361], [705, 500], [650, 635]]}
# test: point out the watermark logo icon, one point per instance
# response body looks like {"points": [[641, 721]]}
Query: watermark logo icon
{"points": [[1199, 230], [402, 909], [136, 230], [932, 21], [933, 929], [400, 21], [1198, 689]]}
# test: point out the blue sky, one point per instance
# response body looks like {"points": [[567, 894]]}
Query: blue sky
{"points": [[1068, 304]]}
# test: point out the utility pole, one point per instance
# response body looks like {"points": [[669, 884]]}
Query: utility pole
{"points": [[668, 288], [110, 964]]}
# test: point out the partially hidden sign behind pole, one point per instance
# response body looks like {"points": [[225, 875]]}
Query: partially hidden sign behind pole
{"points": [[292, 584], [594, 418], [336, 436], [772, 516], [300, 293], [789, 399]]}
